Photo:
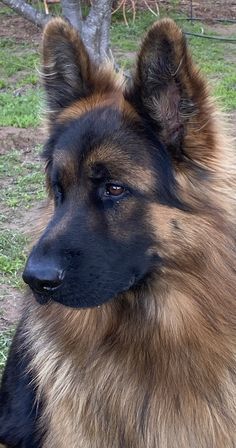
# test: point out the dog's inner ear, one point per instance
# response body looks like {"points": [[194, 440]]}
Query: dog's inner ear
{"points": [[169, 92]]}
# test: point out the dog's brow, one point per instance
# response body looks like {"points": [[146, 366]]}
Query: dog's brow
{"points": [[66, 165], [138, 178]]}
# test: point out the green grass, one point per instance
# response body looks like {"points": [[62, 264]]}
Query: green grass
{"points": [[18, 64], [221, 73], [18, 61], [12, 257], [20, 110], [210, 55], [25, 191], [30, 79], [26, 181], [5, 341], [7, 42], [128, 38], [225, 91], [5, 10]]}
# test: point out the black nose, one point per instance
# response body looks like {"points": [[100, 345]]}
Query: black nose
{"points": [[43, 277]]}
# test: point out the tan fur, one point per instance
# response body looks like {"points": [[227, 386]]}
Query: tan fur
{"points": [[114, 99], [165, 365], [138, 176], [155, 368], [162, 364]]}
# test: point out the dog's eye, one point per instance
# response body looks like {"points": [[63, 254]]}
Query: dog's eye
{"points": [[114, 190]]}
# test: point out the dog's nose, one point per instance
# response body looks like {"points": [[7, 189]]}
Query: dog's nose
{"points": [[43, 277]]}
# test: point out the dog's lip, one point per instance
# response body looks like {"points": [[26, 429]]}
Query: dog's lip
{"points": [[46, 296], [41, 298], [50, 289]]}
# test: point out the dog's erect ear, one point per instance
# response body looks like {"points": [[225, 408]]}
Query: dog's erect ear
{"points": [[169, 92], [66, 65], [68, 73]]}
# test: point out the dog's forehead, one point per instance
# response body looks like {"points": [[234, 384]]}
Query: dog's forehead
{"points": [[83, 133], [104, 138]]}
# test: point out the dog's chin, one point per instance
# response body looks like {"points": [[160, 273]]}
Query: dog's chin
{"points": [[42, 299], [73, 301]]}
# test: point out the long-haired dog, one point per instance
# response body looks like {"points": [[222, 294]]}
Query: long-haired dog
{"points": [[129, 337]]}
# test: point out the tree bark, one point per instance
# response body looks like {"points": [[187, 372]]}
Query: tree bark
{"points": [[96, 30], [71, 9], [27, 11]]}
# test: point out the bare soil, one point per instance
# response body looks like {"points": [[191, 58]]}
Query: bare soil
{"points": [[22, 139], [206, 9], [11, 298], [19, 29], [10, 305], [228, 30]]}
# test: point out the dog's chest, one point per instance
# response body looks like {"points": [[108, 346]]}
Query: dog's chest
{"points": [[131, 392], [121, 405], [108, 405]]}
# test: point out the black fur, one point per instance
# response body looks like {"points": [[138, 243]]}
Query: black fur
{"points": [[97, 262], [18, 412], [102, 250]]}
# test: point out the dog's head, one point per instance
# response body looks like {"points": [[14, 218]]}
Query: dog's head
{"points": [[126, 167]]}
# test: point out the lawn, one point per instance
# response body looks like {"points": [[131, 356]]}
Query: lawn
{"points": [[21, 103]]}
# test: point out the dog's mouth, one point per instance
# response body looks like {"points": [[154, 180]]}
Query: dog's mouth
{"points": [[43, 299], [61, 295]]}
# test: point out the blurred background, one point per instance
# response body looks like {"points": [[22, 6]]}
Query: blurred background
{"points": [[109, 29]]}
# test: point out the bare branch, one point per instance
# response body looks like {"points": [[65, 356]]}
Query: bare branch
{"points": [[71, 9], [27, 11], [96, 29]]}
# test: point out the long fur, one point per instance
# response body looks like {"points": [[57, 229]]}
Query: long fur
{"points": [[156, 367]]}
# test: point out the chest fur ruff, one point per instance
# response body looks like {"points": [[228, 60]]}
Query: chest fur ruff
{"points": [[121, 393]]}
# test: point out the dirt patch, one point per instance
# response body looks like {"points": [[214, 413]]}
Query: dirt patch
{"points": [[228, 30], [19, 29], [205, 9], [14, 79], [232, 121], [214, 9], [22, 139], [11, 300], [32, 221]]}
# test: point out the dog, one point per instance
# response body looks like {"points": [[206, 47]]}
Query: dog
{"points": [[128, 337]]}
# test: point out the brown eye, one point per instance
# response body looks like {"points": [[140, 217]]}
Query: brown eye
{"points": [[114, 190]]}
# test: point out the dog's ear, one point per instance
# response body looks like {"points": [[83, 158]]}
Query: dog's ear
{"points": [[68, 73], [171, 95], [66, 65]]}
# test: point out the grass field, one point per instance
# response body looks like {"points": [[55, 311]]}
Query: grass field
{"points": [[20, 107]]}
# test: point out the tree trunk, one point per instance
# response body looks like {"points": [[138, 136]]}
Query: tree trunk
{"points": [[27, 11], [71, 10], [94, 30]]}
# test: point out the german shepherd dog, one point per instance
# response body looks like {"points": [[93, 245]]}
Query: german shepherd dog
{"points": [[129, 338]]}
